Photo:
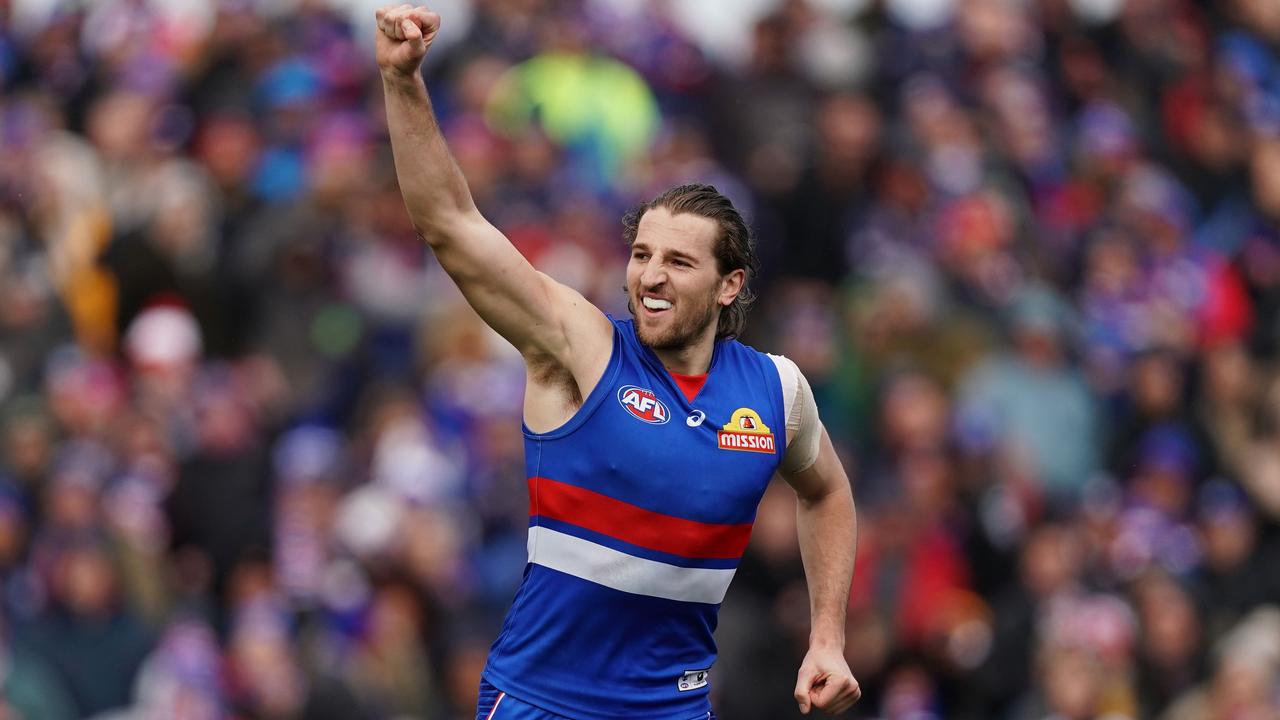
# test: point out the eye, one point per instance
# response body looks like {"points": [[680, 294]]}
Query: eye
{"points": [[639, 255], [681, 263]]}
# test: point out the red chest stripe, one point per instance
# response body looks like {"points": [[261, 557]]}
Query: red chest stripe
{"points": [[626, 522]]}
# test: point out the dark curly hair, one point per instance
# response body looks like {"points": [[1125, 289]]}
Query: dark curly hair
{"points": [[734, 248]]}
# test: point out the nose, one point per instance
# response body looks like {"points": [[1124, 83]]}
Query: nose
{"points": [[654, 274]]}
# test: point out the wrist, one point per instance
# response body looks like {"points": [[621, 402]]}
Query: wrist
{"points": [[827, 639], [398, 79]]}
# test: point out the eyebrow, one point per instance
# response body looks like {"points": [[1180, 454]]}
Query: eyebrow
{"points": [[676, 254]]}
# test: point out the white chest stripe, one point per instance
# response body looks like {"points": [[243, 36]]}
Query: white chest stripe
{"points": [[620, 571]]}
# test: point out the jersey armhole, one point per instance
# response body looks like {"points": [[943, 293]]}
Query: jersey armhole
{"points": [[597, 395], [801, 417], [788, 376]]}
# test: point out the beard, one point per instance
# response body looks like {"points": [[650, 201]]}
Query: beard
{"points": [[689, 322]]}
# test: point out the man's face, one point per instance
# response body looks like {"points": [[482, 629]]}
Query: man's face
{"points": [[674, 286]]}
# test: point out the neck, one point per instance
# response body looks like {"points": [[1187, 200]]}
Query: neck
{"points": [[693, 358]]}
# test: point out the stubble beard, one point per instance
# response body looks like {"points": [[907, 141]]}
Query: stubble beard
{"points": [[682, 332]]}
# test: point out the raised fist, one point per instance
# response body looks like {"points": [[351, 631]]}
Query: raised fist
{"points": [[404, 34]]}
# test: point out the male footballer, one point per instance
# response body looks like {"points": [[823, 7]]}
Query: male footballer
{"points": [[648, 443]]}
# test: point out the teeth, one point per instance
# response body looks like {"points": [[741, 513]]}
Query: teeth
{"points": [[656, 304]]}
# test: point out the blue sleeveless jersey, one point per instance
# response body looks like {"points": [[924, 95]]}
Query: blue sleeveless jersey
{"points": [[639, 510]]}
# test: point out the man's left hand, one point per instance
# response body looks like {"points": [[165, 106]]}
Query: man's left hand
{"points": [[825, 682]]}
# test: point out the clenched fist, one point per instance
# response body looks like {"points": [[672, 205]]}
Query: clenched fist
{"points": [[825, 682], [404, 34]]}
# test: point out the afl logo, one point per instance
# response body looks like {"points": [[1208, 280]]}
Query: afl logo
{"points": [[643, 404]]}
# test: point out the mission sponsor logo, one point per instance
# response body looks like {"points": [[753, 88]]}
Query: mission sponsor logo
{"points": [[643, 404], [746, 431]]}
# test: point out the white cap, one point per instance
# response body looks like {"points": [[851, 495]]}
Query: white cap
{"points": [[163, 336]]}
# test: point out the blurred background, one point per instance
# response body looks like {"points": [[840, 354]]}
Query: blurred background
{"points": [[259, 460]]}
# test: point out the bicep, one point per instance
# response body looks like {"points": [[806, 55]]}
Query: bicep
{"points": [[824, 476], [532, 311]]}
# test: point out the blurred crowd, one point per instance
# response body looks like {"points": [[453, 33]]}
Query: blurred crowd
{"points": [[259, 460]]}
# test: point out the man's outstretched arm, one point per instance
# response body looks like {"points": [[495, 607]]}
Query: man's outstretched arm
{"points": [[542, 318], [827, 526]]}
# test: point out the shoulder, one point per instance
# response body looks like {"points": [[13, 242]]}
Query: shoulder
{"points": [[626, 326], [769, 365], [791, 380], [624, 333], [788, 371], [736, 348]]}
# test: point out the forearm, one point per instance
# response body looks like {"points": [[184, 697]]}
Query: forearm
{"points": [[828, 528], [434, 189], [828, 544]]}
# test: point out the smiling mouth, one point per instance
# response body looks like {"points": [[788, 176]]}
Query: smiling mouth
{"points": [[655, 305]]}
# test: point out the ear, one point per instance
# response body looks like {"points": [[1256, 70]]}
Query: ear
{"points": [[730, 285]]}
